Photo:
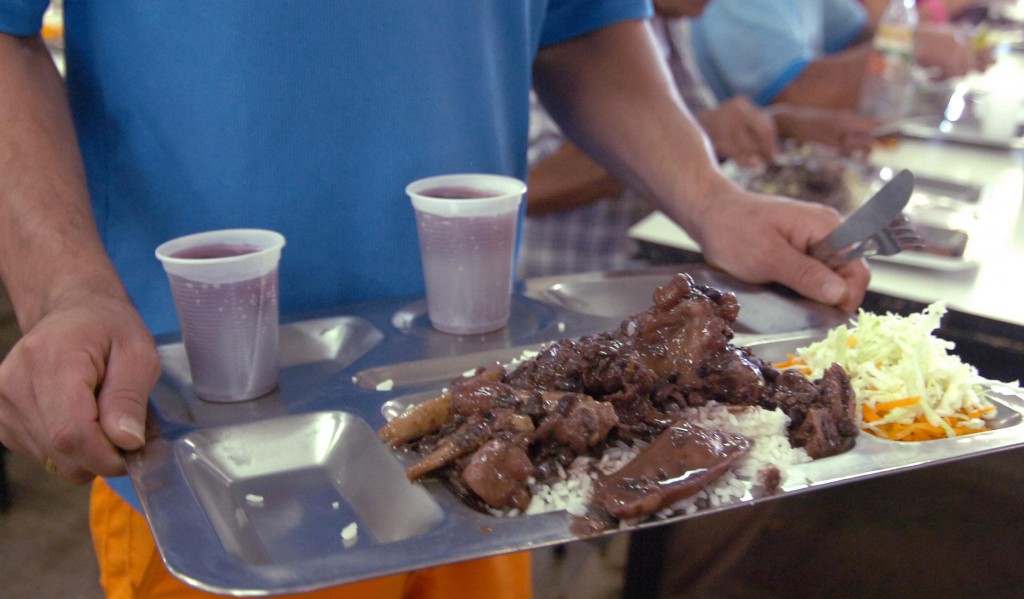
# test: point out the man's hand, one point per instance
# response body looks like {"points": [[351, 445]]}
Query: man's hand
{"points": [[762, 239], [851, 133], [949, 51], [73, 391], [738, 129]]}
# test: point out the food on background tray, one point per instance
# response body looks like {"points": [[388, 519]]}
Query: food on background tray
{"points": [[812, 173], [691, 420], [819, 174], [941, 241], [909, 386]]}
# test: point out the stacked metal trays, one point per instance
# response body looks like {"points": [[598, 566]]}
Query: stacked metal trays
{"points": [[252, 498]]}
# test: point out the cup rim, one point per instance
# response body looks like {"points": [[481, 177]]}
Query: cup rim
{"points": [[267, 240], [509, 194]]}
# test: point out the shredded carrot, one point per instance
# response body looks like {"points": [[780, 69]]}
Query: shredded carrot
{"points": [[791, 361], [870, 415], [886, 406], [978, 413], [904, 431], [918, 430], [794, 362]]}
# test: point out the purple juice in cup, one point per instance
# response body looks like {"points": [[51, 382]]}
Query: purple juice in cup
{"points": [[467, 267], [467, 231], [459, 193], [225, 290]]}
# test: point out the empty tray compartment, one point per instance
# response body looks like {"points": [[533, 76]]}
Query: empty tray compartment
{"points": [[301, 487], [338, 341], [763, 310]]}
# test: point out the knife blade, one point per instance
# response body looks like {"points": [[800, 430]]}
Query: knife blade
{"points": [[872, 216]]}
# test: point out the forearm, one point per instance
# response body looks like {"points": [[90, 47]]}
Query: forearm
{"points": [[613, 96], [48, 239], [832, 81], [568, 179]]}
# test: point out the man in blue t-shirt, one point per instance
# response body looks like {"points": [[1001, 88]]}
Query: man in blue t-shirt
{"points": [[805, 53], [308, 118]]}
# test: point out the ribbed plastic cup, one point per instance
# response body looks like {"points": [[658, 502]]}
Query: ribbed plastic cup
{"points": [[225, 289], [1000, 110], [467, 232]]}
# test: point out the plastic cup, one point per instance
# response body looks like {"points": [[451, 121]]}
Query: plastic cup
{"points": [[467, 232], [225, 290], [1000, 112]]}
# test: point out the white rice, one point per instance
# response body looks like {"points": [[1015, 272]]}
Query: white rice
{"points": [[350, 534], [766, 429]]}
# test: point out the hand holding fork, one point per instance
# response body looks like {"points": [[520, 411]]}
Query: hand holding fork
{"points": [[877, 228]]}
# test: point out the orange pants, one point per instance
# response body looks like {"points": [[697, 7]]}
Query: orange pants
{"points": [[130, 566]]}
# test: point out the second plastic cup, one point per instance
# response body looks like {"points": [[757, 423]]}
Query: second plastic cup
{"points": [[467, 232], [1000, 112], [225, 289]]}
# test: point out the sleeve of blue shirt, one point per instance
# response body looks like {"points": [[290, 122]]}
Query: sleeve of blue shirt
{"points": [[845, 20], [750, 47], [22, 17], [566, 19], [758, 47]]}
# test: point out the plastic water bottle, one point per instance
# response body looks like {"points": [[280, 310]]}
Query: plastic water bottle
{"points": [[888, 86]]}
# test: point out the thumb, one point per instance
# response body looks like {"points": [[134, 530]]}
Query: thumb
{"points": [[765, 139], [812, 279], [130, 377]]}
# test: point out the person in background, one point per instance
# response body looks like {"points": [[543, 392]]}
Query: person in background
{"points": [[308, 118], [935, 11], [578, 214], [807, 53]]}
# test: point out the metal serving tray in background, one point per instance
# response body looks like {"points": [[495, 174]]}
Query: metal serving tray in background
{"points": [[964, 131], [945, 212], [252, 498]]}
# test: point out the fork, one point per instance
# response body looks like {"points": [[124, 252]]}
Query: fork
{"points": [[891, 239]]}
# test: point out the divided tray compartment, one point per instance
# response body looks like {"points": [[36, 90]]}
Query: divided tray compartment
{"points": [[965, 131], [764, 310], [311, 352], [525, 317], [945, 213], [944, 210], [873, 456], [285, 489]]}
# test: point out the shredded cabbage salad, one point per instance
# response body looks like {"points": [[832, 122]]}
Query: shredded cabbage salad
{"points": [[909, 386]]}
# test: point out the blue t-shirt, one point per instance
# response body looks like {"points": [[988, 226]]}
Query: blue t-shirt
{"points": [[758, 47], [304, 117]]}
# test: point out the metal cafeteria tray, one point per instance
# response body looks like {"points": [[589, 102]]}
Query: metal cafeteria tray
{"points": [[293, 491], [944, 211], [945, 214], [966, 131]]}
